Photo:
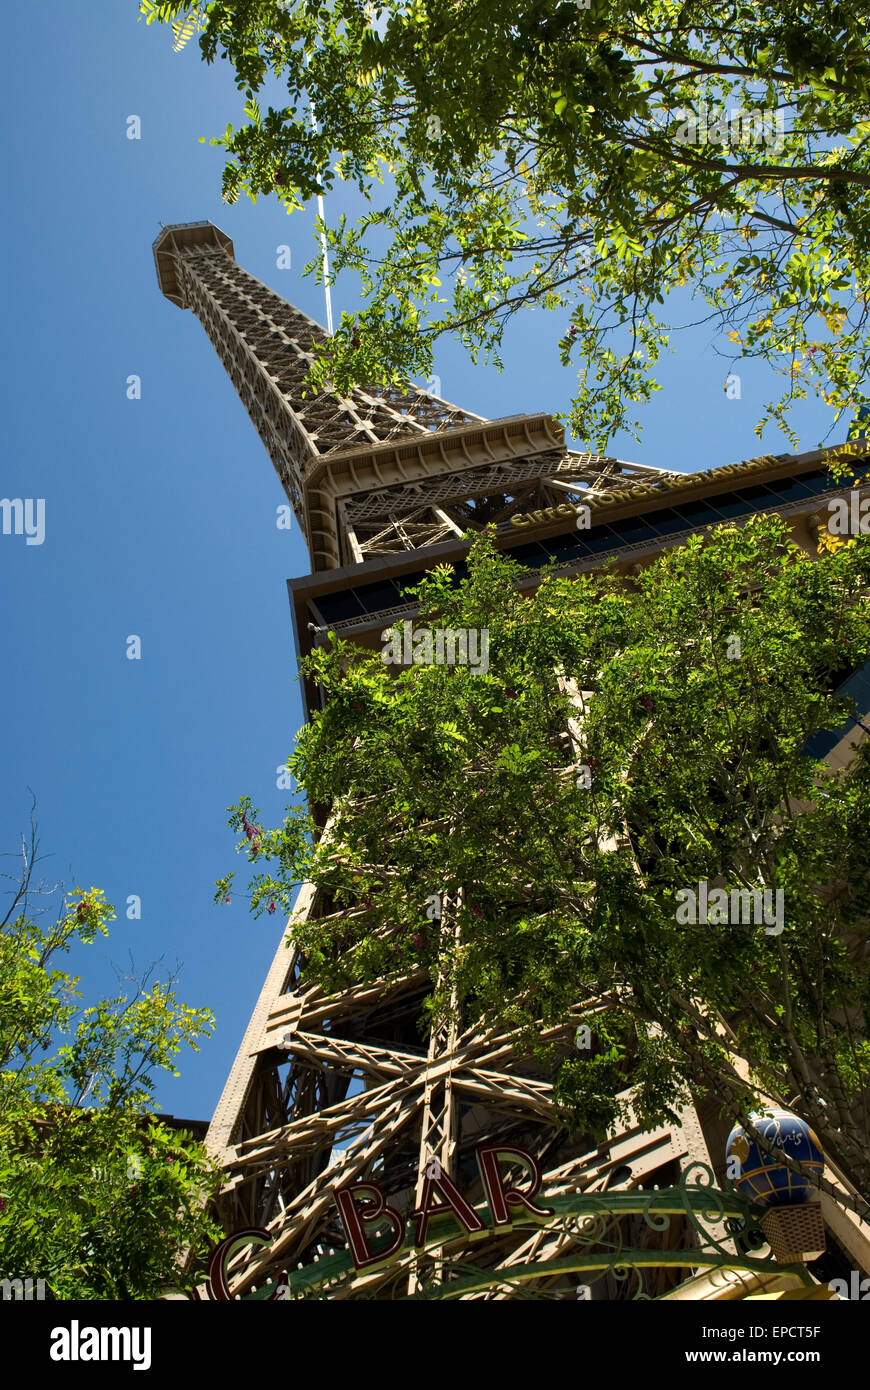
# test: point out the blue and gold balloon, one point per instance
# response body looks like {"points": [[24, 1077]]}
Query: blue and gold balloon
{"points": [[757, 1175]]}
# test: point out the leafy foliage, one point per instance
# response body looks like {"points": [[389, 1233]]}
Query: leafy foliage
{"points": [[443, 780], [544, 155], [99, 1198]]}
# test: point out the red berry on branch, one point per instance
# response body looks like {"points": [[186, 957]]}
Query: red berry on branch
{"points": [[478, 911], [81, 910], [357, 706], [226, 900], [418, 941], [511, 694], [271, 908], [646, 701]]}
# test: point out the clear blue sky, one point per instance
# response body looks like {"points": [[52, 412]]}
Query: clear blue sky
{"points": [[160, 513]]}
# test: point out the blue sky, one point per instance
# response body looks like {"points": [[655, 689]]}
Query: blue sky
{"points": [[160, 512]]}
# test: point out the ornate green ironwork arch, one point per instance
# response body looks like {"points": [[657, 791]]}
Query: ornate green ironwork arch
{"points": [[592, 1221]]}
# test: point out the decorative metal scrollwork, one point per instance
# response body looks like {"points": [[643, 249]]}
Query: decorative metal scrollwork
{"points": [[590, 1246]]}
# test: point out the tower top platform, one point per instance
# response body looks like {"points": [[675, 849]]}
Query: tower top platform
{"points": [[182, 236]]}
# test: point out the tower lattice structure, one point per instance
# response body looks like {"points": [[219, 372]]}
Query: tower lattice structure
{"points": [[327, 1090]]}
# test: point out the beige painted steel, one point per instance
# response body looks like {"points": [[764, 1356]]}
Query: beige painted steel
{"points": [[378, 472], [374, 471]]}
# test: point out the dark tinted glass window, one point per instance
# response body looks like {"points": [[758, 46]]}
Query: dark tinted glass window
{"points": [[857, 687], [632, 533], [602, 538], [793, 489], [667, 521], [374, 597], [558, 545], [531, 554], [699, 513], [336, 607], [729, 506], [576, 551], [756, 498]]}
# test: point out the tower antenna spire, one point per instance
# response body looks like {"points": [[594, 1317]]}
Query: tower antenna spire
{"points": [[322, 216]]}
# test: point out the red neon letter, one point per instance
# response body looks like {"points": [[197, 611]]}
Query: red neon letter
{"points": [[352, 1219], [454, 1202], [501, 1197], [217, 1285]]}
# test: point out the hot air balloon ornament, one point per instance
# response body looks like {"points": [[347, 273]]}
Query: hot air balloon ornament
{"points": [[793, 1221]]}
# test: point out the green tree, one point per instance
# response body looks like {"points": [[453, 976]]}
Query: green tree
{"points": [[592, 159], [692, 690], [97, 1197]]}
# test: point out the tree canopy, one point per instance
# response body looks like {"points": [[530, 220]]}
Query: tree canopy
{"points": [[98, 1197], [689, 693], [635, 166]]}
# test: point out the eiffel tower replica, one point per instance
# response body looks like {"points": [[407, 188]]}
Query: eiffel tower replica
{"points": [[326, 1091]]}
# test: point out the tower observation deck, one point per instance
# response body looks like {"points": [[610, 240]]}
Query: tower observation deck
{"points": [[379, 471]]}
